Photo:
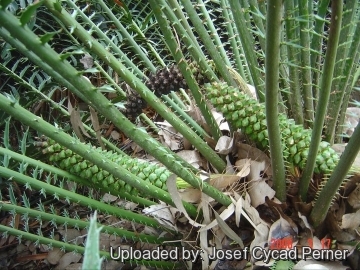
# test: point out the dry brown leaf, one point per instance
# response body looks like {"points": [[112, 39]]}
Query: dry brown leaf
{"points": [[72, 235], [193, 157], [169, 136], [224, 215], [227, 230], [221, 181], [54, 255], [74, 266], [352, 118], [339, 149], [252, 215], [351, 221], [76, 123], [104, 241], [162, 214], [187, 144], [260, 236], [354, 198], [247, 151], [238, 210], [258, 189], [205, 250], [128, 205], [195, 114], [229, 166], [306, 232], [305, 221], [172, 189], [191, 195], [109, 198], [95, 123], [115, 135], [224, 145], [219, 118], [219, 236], [87, 61], [67, 259], [243, 166]]}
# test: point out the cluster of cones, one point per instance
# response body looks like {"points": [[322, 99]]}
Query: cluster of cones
{"points": [[160, 83]]}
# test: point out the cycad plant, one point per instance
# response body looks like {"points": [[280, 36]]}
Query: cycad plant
{"points": [[301, 57]]}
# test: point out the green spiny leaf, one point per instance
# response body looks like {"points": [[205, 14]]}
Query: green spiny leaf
{"points": [[106, 89], [29, 12], [6, 161], [57, 6], [23, 141], [5, 3], [12, 195], [48, 36], [26, 201], [91, 70], [92, 258], [6, 133], [63, 56]]}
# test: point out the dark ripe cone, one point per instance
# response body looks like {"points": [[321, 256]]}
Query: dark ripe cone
{"points": [[162, 82], [134, 105]]}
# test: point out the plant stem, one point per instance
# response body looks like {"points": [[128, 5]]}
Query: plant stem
{"points": [[176, 8], [295, 95], [71, 177], [233, 38], [316, 46], [74, 197], [184, 67], [213, 33], [331, 187], [35, 59], [173, 162], [348, 48], [248, 46], [104, 37], [110, 80], [88, 153], [305, 63], [258, 18], [177, 100], [351, 81], [148, 121], [77, 223], [75, 248], [152, 49], [206, 39], [127, 37], [273, 28], [191, 43], [325, 86], [187, 118], [146, 94]]}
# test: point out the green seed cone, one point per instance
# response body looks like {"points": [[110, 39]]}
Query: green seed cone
{"points": [[75, 164], [244, 112]]}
